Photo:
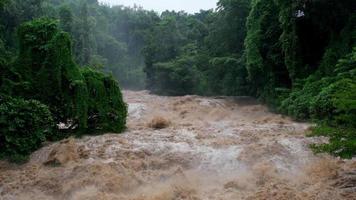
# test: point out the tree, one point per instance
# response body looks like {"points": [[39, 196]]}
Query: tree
{"points": [[228, 30], [83, 42], [45, 57], [66, 19]]}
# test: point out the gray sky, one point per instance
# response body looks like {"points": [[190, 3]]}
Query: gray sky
{"points": [[189, 6]]}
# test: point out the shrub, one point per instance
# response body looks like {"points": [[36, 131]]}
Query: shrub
{"points": [[107, 110], [24, 125], [299, 101], [342, 141], [336, 103], [331, 101]]}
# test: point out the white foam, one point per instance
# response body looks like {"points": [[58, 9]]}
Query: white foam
{"points": [[135, 110]]}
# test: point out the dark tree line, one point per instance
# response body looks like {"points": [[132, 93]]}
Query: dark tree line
{"points": [[107, 38], [298, 56]]}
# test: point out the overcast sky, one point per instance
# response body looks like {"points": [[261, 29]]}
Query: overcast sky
{"points": [[190, 6]]}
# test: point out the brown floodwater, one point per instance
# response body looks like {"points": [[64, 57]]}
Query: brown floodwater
{"points": [[219, 148]]}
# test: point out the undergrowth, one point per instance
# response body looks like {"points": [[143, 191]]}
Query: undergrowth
{"points": [[342, 141]]}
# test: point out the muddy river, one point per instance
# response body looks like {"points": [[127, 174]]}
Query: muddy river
{"points": [[220, 148]]}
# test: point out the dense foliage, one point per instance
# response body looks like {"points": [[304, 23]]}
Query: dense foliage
{"points": [[77, 100], [45, 57], [24, 125], [106, 109], [107, 38], [73, 95], [298, 56]]}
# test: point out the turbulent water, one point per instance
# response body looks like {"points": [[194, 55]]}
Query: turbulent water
{"points": [[219, 148]]}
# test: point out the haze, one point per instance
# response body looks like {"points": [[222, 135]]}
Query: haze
{"points": [[190, 6]]}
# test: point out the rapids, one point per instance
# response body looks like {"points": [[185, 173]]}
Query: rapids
{"points": [[219, 148]]}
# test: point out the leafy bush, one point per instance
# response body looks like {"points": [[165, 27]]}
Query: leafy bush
{"points": [[24, 125], [342, 141], [331, 101], [336, 103], [84, 99], [106, 109], [299, 101]]}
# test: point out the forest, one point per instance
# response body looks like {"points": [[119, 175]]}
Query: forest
{"points": [[63, 64]]}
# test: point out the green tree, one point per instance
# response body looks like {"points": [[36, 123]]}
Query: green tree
{"points": [[83, 42], [45, 57], [66, 19], [228, 30]]}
